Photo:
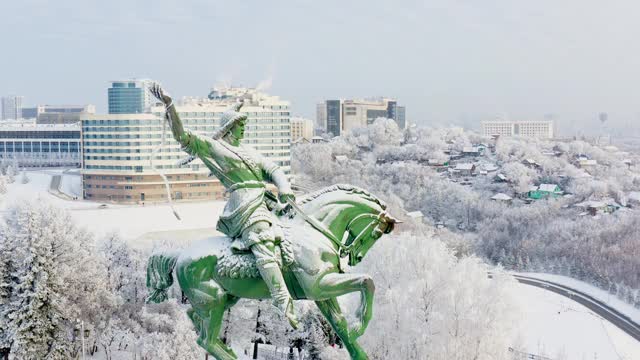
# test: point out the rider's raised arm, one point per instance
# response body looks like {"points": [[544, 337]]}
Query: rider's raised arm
{"points": [[191, 143]]}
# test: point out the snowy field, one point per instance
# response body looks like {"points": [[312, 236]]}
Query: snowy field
{"points": [[560, 328], [141, 225]]}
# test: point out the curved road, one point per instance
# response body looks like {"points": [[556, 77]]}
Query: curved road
{"points": [[605, 311]]}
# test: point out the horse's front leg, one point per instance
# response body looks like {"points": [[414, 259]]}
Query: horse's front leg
{"points": [[332, 312], [334, 285]]}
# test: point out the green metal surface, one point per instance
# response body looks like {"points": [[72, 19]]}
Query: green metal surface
{"points": [[341, 221]]}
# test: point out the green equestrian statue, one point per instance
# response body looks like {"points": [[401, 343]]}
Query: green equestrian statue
{"points": [[243, 172], [297, 255]]}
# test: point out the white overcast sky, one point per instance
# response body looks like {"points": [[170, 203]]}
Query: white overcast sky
{"points": [[446, 60]]}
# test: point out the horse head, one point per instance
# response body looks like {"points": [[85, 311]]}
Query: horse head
{"points": [[363, 231], [353, 215]]}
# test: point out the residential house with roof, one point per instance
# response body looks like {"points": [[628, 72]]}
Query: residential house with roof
{"points": [[545, 191]]}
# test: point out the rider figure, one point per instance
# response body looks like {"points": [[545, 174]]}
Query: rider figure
{"points": [[243, 172]]}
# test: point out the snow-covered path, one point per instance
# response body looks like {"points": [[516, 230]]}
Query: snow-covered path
{"points": [[560, 328]]}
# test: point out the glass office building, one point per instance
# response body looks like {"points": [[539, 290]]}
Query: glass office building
{"points": [[129, 97], [31, 145]]}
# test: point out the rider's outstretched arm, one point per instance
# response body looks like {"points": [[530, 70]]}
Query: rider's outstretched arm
{"points": [[191, 143]]}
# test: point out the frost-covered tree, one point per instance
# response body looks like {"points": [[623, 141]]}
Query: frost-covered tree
{"points": [[449, 304], [3, 184], [169, 333], [7, 269], [24, 179], [36, 311], [11, 174]]}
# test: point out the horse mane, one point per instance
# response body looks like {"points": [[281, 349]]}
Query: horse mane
{"points": [[352, 189]]}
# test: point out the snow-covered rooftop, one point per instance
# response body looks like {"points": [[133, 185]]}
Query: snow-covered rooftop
{"points": [[415, 214], [547, 187], [465, 166], [501, 197]]}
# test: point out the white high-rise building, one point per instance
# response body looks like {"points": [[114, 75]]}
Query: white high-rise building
{"points": [[537, 129], [12, 107], [117, 147], [301, 129]]}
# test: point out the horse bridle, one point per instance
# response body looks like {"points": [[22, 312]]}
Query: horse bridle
{"points": [[347, 248]]}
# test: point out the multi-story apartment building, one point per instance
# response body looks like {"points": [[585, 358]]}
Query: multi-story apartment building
{"points": [[34, 145], [338, 116], [57, 114], [12, 107], [301, 129], [537, 129], [130, 96], [118, 147]]}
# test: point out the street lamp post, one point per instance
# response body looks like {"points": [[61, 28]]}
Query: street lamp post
{"points": [[82, 333]]}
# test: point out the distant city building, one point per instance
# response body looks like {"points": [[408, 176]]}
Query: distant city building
{"points": [[37, 145], [535, 129], [338, 116], [12, 107], [301, 129], [117, 147], [130, 96], [321, 116], [401, 117], [57, 114]]}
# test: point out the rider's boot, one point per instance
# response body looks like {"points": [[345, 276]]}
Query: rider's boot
{"points": [[272, 276]]}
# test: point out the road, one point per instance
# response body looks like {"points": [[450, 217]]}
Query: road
{"points": [[600, 308]]}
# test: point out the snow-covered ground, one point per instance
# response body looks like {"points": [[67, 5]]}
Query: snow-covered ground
{"points": [[141, 225], [596, 293], [71, 183], [560, 328]]}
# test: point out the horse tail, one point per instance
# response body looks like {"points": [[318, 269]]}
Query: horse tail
{"points": [[160, 276]]}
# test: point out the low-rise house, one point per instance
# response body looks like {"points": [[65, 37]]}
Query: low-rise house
{"points": [[501, 197], [633, 198], [465, 169], [500, 178], [416, 215], [489, 167], [593, 207], [341, 158], [437, 163], [587, 163], [530, 163], [318, 139], [470, 151], [545, 191]]}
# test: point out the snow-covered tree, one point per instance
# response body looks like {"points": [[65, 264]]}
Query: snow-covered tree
{"points": [[3, 184], [451, 306], [24, 179], [36, 310], [11, 174]]}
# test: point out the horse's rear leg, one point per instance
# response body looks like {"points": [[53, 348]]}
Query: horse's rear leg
{"points": [[208, 302], [331, 310]]}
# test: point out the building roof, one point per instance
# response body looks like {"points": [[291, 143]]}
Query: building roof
{"points": [[465, 166], [548, 187], [501, 197], [591, 204], [588, 162]]}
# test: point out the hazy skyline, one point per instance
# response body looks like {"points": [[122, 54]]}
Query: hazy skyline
{"points": [[447, 61]]}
